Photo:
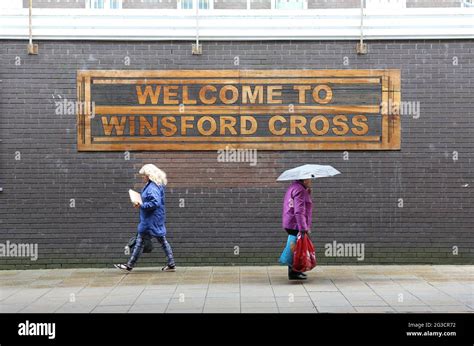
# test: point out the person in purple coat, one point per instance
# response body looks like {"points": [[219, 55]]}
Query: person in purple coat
{"points": [[297, 214]]}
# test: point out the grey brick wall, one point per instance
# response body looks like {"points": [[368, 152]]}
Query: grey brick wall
{"points": [[230, 4], [433, 3], [234, 204], [333, 4], [260, 4], [162, 4], [56, 3]]}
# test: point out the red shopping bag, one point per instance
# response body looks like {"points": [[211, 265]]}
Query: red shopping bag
{"points": [[304, 258]]}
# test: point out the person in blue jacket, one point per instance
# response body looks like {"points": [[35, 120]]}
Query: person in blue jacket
{"points": [[152, 217]]}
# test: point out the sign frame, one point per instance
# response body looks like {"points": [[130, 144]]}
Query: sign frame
{"points": [[388, 79]]}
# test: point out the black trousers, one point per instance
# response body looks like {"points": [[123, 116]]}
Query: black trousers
{"points": [[295, 233], [292, 231]]}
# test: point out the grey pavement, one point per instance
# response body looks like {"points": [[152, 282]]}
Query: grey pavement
{"points": [[329, 289]]}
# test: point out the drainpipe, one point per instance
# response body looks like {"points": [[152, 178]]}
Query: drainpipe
{"points": [[32, 48], [361, 46], [197, 48]]}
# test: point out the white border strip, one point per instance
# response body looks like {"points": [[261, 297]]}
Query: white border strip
{"points": [[150, 25]]}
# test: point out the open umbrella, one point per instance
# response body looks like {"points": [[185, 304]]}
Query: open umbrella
{"points": [[308, 172]]}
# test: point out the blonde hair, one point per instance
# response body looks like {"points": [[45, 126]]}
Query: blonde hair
{"points": [[155, 174]]}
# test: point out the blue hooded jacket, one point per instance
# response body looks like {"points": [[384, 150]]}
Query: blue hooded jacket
{"points": [[152, 210]]}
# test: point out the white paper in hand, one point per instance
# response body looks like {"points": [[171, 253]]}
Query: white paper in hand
{"points": [[135, 197]]}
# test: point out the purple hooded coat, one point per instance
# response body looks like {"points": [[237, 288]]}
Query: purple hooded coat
{"points": [[297, 207]]}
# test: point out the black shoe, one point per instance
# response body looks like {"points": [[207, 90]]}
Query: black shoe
{"points": [[297, 276], [291, 272], [169, 268], [123, 267]]}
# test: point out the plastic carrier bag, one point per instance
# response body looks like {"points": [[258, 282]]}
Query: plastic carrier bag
{"points": [[286, 257], [304, 258]]}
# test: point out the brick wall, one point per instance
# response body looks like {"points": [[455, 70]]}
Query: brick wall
{"points": [[260, 4], [235, 204], [230, 4], [433, 3], [333, 4], [162, 4], [56, 3]]}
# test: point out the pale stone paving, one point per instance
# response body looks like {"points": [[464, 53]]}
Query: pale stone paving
{"points": [[329, 289]]}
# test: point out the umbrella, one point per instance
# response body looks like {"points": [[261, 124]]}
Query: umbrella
{"points": [[308, 172]]}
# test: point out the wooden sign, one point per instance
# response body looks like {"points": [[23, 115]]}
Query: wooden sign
{"points": [[258, 109]]}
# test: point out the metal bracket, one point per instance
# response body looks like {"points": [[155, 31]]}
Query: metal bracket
{"points": [[33, 49], [362, 48], [197, 49]]}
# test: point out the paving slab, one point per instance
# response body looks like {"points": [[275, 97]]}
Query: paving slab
{"points": [[119, 300], [148, 308], [336, 309], [329, 299], [111, 309], [75, 308], [227, 310], [374, 309], [328, 289], [297, 310], [44, 306]]}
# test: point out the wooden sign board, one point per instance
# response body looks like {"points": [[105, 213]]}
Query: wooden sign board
{"points": [[257, 109]]}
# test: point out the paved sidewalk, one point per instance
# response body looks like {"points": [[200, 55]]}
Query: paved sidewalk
{"points": [[240, 289]]}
